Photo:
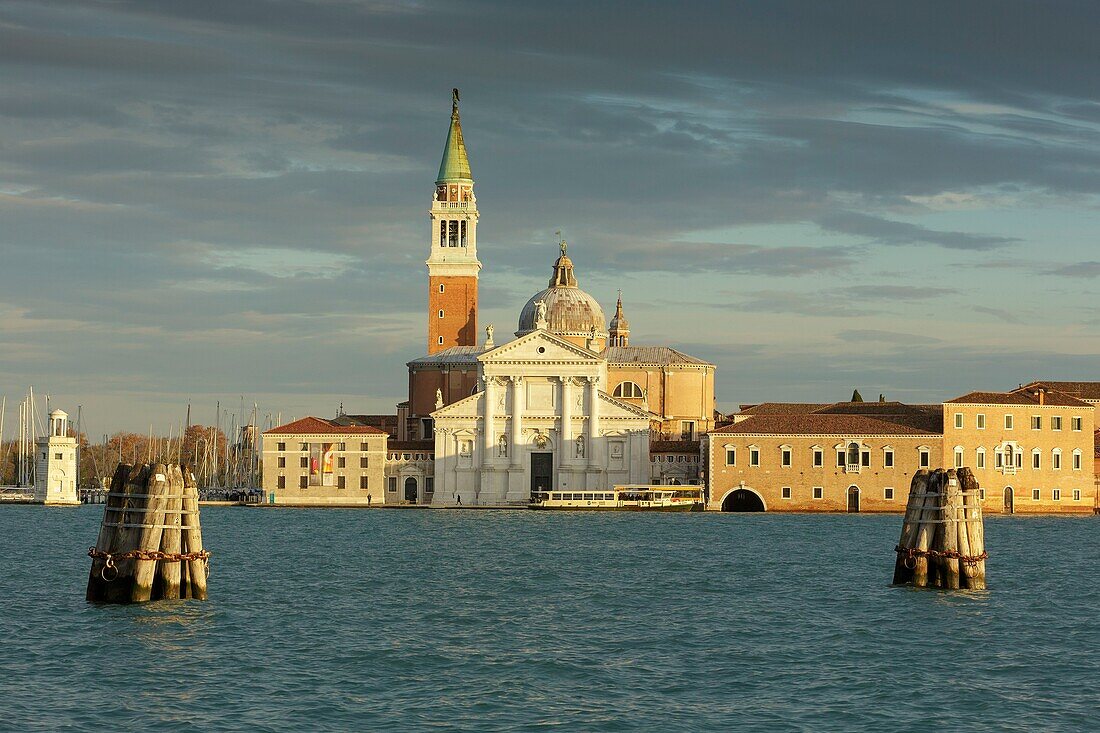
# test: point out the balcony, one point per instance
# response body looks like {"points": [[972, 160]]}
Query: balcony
{"points": [[851, 468], [451, 205]]}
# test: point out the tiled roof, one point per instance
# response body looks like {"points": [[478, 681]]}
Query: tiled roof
{"points": [[662, 355], [379, 421], [318, 425], [840, 425], [1080, 390], [674, 446], [411, 445], [781, 408], [1018, 397], [453, 355], [872, 408]]}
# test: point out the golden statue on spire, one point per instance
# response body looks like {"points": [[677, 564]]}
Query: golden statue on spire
{"points": [[454, 100]]}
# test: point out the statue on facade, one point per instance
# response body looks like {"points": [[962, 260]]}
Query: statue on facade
{"points": [[489, 335], [580, 446], [502, 447], [438, 398], [540, 315]]}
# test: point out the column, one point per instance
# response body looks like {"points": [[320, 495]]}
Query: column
{"points": [[517, 420], [593, 423], [488, 414], [565, 454]]}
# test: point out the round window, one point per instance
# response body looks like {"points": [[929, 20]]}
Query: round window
{"points": [[542, 349]]}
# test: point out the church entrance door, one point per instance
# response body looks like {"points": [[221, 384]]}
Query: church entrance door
{"points": [[542, 472], [410, 490]]}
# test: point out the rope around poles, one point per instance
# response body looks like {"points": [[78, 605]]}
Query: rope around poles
{"points": [[109, 565], [911, 554]]}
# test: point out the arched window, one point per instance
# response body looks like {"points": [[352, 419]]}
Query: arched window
{"points": [[628, 390], [853, 454]]}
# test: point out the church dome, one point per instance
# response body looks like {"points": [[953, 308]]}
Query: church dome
{"points": [[569, 310]]}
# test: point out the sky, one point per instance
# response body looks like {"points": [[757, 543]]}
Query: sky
{"points": [[211, 201]]}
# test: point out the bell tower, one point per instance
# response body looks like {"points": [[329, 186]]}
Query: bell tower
{"points": [[453, 265]]}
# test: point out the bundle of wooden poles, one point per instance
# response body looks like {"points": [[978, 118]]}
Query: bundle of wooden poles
{"points": [[942, 541], [150, 541]]}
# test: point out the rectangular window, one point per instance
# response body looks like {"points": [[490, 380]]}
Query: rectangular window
{"points": [[1056, 494], [340, 463], [888, 493], [786, 492], [1075, 424], [1008, 422], [1077, 494], [364, 446], [731, 456], [1056, 422], [391, 483], [429, 485], [981, 421], [1035, 495], [754, 456], [1036, 422], [819, 458], [786, 458], [339, 482], [687, 430], [840, 462], [364, 482], [282, 461], [303, 482], [281, 483], [364, 462], [427, 428], [463, 222], [343, 446], [452, 233], [925, 459], [1076, 461], [303, 446], [958, 458], [958, 420], [818, 492], [1035, 460], [1056, 461], [888, 459], [57, 456], [282, 446], [865, 459], [304, 462], [442, 234], [979, 459], [981, 493]]}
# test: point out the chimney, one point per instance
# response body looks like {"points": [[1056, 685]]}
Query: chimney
{"points": [[1042, 396]]}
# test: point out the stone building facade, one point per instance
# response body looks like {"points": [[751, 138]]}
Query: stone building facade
{"points": [[542, 421], [319, 462], [1031, 449], [849, 456]]}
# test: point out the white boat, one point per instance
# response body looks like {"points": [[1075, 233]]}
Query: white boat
{"points": [[630, 498]]}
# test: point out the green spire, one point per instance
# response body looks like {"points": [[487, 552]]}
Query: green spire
{"points": [[455, 166]]}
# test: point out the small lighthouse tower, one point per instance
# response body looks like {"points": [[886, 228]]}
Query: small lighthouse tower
{"points": [[55, 469]]}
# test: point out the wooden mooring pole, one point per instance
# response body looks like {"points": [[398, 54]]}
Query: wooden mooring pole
{"points": [[942, 543], [150, 540]]}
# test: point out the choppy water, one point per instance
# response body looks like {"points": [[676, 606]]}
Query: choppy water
{"points": [[334, 620]]}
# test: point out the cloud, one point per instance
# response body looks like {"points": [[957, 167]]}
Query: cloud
{"points": [[884, 231], [250, 188], [1090, 269]]}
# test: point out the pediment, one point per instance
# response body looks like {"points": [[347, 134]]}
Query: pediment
{"points": [[539, 346], [611, 407], [466, 407]]}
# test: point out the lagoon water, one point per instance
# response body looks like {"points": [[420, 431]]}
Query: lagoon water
{"points": [[381, 620]]}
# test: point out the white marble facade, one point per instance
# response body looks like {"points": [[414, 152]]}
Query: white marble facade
{"points": [[541, 421]]}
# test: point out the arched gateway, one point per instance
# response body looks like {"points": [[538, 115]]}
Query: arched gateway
{"points": [[743, 500]]}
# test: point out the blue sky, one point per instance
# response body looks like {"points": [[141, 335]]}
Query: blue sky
{"points": [[209, 200]]}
